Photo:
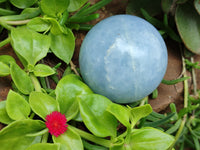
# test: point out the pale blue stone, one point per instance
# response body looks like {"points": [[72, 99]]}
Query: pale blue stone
{"points": [[123, 58]]}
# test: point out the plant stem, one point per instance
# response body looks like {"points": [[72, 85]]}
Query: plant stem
{"points": [[6, 12], [143, 101], [4, 42], [32, 115], [36, 83], [20, 22], [64, 18], [194, 78], [73, 67], [92, 138], [45, 138], [186, 94], [6, 26]]}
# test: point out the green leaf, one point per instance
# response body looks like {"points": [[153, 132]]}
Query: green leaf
{"points": [[118, 145], [1, 1], [17, 107], [121, 112], [38, 24], [162, 25], [174, 128], [93, 112], [186, 110], [197, 6], [29, 44], [139, 112], [72, 111], [4, 118], [89, 146], [56, 28], [67, 90], [21, 79], [149, 139], [54, 8], [75, 5], [86, 10], [152, 7], [172, 82], [166, 5], [41, 70], [13, 136], [188, 25], [27, 13], [7, 59], [63, 45], [43, 104], [160, 122], [22, 3], [181, 1], [4, 69], [44, 146], [69, 140]]}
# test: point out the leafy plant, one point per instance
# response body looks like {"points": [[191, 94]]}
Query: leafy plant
{"points": [[180, 21], [185, 13], [34, 113], [98, 113]]}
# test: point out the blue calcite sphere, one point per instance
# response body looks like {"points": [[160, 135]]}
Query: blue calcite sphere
{"points": [[124, 58]]}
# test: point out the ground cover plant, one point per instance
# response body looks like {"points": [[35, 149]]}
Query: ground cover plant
{"points": [[71, 116]]}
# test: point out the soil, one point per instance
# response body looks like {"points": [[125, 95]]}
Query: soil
{"points": [[166, 93]]}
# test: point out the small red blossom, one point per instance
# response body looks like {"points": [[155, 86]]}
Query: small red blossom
{"points": [[56, 123]]}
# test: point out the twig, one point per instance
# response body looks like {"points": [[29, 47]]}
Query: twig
{"points": [[183, 63], [73, 67]]}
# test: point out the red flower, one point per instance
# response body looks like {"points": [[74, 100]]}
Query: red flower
{"points": [[56, 123]]}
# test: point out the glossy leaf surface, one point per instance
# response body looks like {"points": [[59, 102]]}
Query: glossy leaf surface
{"points": [[67, 90], [4, 69], [121, 112], [72, 111], [41, 70], [150, 139], [39, 24], [69, 140], [54, 8], [17, 107], [43, 104], [29, 44], [7, 59], [22, 3], [44, 146], [95, 116], [56, 28], [63, 45], [13, 136], [4, 118], [21, 79], [139, 112], [188, 25], [197, 5]]}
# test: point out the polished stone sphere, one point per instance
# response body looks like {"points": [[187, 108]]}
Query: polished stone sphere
{"points": [[124, 58]]}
